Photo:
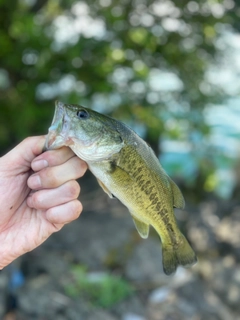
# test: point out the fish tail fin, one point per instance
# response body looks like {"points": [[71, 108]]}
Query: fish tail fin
{"points": [[180, 254]]}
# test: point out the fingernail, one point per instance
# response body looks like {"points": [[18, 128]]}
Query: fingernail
{"points": [[34, 182], [39, 164]]}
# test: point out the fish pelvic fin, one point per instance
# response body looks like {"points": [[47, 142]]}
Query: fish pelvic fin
{"points": [[179, 254], [105, 189]]}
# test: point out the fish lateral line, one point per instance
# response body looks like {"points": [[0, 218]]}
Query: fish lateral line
{"points": [[128, 169]]}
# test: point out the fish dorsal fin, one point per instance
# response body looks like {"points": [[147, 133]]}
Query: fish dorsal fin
{"points": [[142, 227], [178, 200]]}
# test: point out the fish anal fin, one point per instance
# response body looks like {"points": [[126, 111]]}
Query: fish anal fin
{"points": [[178, 200], [142, 227], [105, 189]]}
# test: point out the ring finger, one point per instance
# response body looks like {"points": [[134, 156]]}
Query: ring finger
{"points": [[53, 177]]}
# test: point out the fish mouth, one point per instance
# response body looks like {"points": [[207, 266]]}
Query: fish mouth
{"points": [[55, 141], [58, 133]]}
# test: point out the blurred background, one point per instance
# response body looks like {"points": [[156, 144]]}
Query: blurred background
{"points": [[171, 71]]}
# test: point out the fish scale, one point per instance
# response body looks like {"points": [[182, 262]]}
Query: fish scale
{"points": [[126, 168]]}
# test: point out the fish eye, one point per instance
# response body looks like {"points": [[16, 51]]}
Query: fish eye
{"points": [[82, 114]]}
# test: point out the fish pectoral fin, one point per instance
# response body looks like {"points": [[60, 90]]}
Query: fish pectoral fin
{"points": [[105, 189], [142, 227], [178, 200]]}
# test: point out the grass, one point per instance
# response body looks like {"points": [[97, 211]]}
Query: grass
{"points": [[100, 289]]}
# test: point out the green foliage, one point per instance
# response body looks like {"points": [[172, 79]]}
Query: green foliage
{"points": [[40, 54], [118, 57], [102, 290]]}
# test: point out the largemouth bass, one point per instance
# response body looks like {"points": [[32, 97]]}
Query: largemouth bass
{"points": [[126, 168]]}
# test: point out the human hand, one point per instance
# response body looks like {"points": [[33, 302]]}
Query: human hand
{"points": [[38, 195]]}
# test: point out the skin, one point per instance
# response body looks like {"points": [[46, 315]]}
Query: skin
{"points": [[38, 195]]}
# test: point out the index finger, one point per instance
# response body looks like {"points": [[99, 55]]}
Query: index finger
{"points": [[52, 158]]}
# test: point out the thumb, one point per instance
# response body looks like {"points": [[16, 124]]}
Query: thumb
{"points": [[23, 154]]}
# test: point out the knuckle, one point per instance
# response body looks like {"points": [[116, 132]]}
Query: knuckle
{"points": [[27, 140], [37, 200], [49, 178], [73, 189], [80, 166], [47, 155], [77, 209], [52, 157], [59, 156], [83, 166]]}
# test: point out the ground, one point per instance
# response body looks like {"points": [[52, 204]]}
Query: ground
{"points": [[102, 246]]}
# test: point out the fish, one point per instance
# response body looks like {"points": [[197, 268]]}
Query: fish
{"points": [[127, 169]]}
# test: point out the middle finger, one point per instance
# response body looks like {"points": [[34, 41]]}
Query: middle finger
{"points": [[53, 177]]}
